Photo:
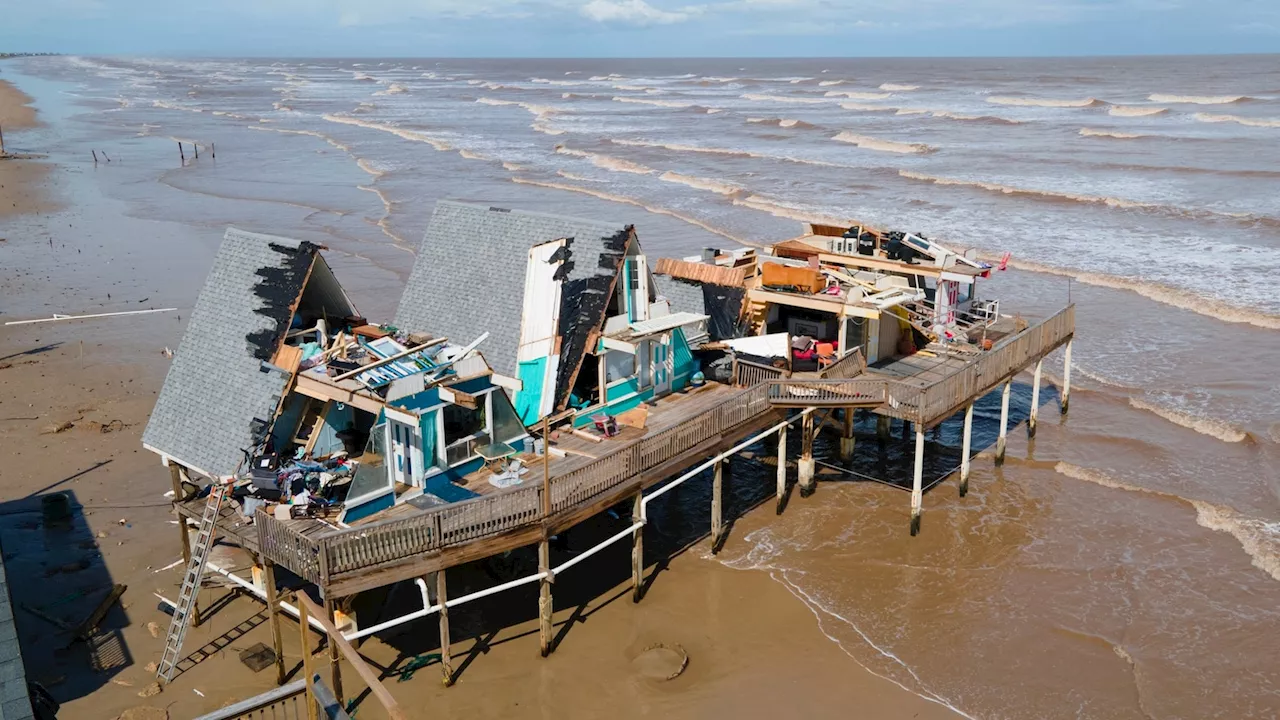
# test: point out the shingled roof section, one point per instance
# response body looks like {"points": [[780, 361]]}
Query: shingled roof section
{"points": [[220, 381], [15, 704], [469, 279]]}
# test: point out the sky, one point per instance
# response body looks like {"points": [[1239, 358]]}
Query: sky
{"points": [[640, 28]]}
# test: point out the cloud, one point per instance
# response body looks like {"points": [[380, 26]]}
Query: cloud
{"points": [[634, 12]]}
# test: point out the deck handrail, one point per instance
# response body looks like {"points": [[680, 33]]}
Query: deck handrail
{"points": [[848, 366], [277, 702], [318, 559], [747, 373]]}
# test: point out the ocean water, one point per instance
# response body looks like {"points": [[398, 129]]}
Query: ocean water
{"points": [[1125, 563]]}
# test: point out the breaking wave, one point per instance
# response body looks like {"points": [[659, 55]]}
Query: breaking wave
{"points": [[1158, 292], [871, 143], [630, 201], [579, 178], [1198, 99], [1135, 111], [393, 89], [656, 103], [864, 107], [1010, 190], [894, 87], [1259, 539], [858, 94], [1203, 425], [1090, 132], [829, 83], [471, 155], [781, 122], [413, 135], [784, 99], [607, 163], [1251, 122], [786, 211], [1044, 102], [310, 133], [674, 147], [538, 110], [715, 186]]}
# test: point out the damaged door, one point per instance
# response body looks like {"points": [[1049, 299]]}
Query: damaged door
{"points": [[405, 448], [662, 364]]}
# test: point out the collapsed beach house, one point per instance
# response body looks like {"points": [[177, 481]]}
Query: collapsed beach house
{"points": [[540, 370]]}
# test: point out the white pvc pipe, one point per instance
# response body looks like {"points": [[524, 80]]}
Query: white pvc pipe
{"points": [[86, 317], [644, 504], [427, 609], [574, 561], [496, 589], [260, 594]]}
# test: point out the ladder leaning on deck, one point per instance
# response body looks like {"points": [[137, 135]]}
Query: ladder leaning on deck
{"points": [[191, 581]]}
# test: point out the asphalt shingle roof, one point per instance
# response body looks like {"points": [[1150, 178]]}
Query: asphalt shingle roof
{"points": [[218, 385], [14, 701], [470, 271]]}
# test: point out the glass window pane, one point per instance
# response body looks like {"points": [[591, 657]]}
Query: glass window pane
{"points": [[506, 424], [619, 365], [372, 474]]}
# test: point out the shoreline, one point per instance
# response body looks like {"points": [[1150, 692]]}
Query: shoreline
{"points": [[754, 647], [22, 182]]}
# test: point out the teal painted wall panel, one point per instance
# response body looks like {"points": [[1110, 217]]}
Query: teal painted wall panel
{"points": [[529, 398]]}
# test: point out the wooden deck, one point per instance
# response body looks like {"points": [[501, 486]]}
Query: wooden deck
{"points": [[680, 430]]}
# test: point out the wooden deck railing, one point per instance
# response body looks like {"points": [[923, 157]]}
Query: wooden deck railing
{"points": [[850, 365], [747, 373], [943, 398], [320, 559]]}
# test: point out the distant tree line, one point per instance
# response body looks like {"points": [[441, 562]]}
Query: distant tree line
{"points": [[4, 55]]}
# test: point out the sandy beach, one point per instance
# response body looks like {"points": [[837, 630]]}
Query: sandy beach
{"points": [[74, 397]]}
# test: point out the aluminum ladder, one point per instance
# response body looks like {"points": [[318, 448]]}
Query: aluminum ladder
{"points": [[191, 582]]}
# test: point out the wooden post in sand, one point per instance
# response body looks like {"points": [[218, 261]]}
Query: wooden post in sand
{"points": [[1004, 421], [717, 490], [273, 616], [806, 456], [442, 597], [846, 438], [335, 660], [917, 493], [1035, 400], [180, 155], [95, 156], [303, 626], [1, 139], [1066, 377], [964, 450], [782, 467], [175, 477], [544, 597], [637, 547], [213, 150], [196, 147]]}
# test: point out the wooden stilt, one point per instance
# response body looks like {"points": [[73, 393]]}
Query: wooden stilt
{"points": [[335, 660], [213, 150], [303, 626], [1035, 399], [273, 616], [1066, 376], [544, 598], [964, 450], [906, 430], [782, 467], [175, 477], [181, 156], [917, 494], [846, 438], [717, 490], [637, 548], [95, 156], [197, 149], [883, 428], [806, 456], [1004, 421], [446, 660]]}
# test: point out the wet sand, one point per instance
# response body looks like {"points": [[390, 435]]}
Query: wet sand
{"points": [[22, 183], [755, 650]]}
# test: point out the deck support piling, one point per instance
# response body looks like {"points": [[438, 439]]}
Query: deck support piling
{"points": [[304, 625], [335, 660], [806, 456], [544, 597], [906, 430], [446, 659], [782, 468], [717, 496], [637, 548], [273, 616], [1066, 376], [1001, 441], [846, 438], [883, 428], [1035, 399], [964, 450], [917, 494], [175, 476]]}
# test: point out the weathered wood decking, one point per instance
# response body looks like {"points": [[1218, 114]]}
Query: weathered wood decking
{"points": [[682, 429]]}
